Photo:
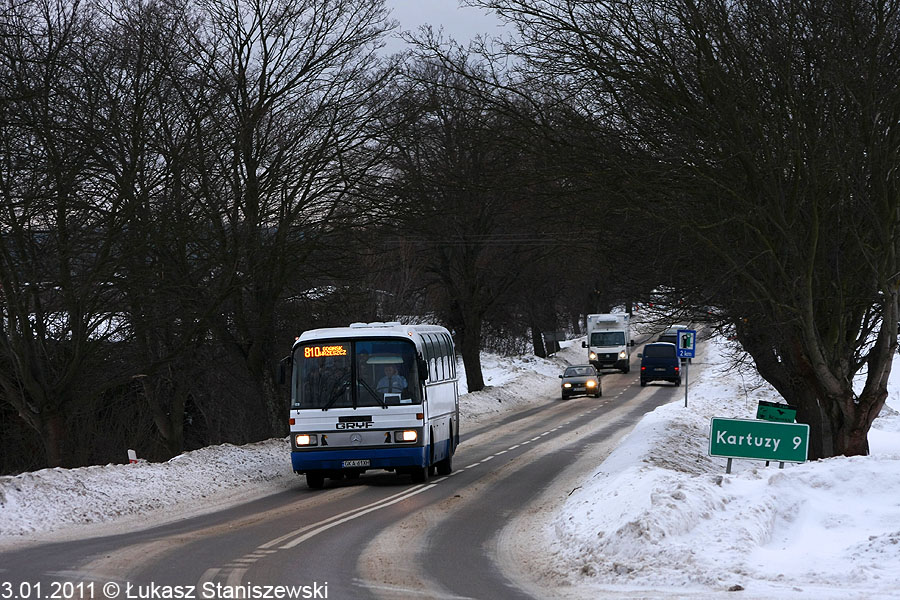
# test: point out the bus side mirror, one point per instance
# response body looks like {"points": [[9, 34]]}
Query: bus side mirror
{"points": [[423, 369], [584, 344], [283, 367], [631, 343]]}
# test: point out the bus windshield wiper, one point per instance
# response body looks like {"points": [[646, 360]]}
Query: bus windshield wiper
{"points": [[334, 397], [374, 393]]}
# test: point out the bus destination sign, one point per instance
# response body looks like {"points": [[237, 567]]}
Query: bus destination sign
{"points": [[320, 351]]}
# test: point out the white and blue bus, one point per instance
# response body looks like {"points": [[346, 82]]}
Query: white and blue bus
{"points": [[373, 396]]}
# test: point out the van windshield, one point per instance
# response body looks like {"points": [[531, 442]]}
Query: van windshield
{"points": [[659, 351], [608, 338]]}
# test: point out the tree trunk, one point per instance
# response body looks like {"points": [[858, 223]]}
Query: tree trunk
{"points": [[537, 340], [470, 347], [276, 403], [472, 363], [168, 413], [53, 434], [838, 419]]}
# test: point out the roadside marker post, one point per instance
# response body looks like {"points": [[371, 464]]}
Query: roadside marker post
{"points": [[687, 348]]}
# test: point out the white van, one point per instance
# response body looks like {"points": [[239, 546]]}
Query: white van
{"points": [[609, 341]]}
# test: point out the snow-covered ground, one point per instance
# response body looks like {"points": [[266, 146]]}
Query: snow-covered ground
{"points": [[659, 517]]}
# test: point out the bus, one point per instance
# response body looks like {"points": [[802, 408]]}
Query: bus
{"points": [[373, 396]]}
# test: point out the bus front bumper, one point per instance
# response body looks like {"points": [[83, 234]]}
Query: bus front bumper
{"points": [[379, 458]]}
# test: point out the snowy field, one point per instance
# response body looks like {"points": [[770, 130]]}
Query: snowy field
{"points": [[658, 518]]}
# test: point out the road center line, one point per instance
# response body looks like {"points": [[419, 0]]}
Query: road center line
{"points": [[406, 591], [287, 536], [352, 515]]}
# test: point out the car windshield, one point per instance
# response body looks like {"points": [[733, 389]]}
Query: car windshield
{"points": [[659, 351], [579, 371], [608, 338], [354, 374]]}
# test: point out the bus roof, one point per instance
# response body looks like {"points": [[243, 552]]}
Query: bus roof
{"points": [[368, 330]]}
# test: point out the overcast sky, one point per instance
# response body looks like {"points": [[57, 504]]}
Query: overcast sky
{"points": [[460, 23]]}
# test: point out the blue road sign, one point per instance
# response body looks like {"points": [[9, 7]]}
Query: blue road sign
{"points": [[686, 342]]}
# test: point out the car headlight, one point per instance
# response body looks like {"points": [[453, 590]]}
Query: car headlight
{"points": [[591, 383], [306, 439], [567, 385]]}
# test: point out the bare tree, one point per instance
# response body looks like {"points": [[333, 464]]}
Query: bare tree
{"points": [[766, 132], [143, 141], [283, 111], [467, 210], [56, 247]]}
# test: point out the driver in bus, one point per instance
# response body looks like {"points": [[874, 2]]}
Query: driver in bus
{"points": [[392, 382]]}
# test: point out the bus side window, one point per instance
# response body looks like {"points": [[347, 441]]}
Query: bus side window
{"points": [[433, 370], [445, 356], [428, 352], [451, 356], [438, 367], [442, 356]]}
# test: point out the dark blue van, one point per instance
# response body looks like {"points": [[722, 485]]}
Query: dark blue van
{"points": [[660, 362]]}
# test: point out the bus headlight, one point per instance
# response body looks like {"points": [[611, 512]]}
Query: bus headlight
{"points": [[305, 439], [410, 435], [592, 356], [623, 355]]}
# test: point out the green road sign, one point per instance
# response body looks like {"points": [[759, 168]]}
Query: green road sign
{"points": [[759, 440], [773, 411]]}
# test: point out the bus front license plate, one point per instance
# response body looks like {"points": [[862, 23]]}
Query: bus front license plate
{"points": [[348, 464]]}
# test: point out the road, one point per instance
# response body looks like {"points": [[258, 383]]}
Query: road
{"points": [[467, 535]]}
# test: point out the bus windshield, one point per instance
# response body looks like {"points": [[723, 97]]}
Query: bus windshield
{"points": [[355, 373]]}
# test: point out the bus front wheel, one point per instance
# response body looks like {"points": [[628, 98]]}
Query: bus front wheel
{"points": [[419, 474], [315, 481], [445, 467]]}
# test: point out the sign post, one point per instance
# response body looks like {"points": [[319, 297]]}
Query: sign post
{"points": [[687, 348], [758, 440]]}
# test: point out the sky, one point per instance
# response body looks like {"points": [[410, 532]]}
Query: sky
{"points": [[462, 23], [658, 518]]}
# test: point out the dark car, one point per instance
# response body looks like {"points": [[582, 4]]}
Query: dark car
{"points": [[580, 379], [660, 362], [670, 335]]}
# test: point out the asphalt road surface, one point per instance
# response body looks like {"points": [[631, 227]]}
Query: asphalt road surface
{"points": [[465, 535]]}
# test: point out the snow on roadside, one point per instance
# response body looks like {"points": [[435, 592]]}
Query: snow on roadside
{"points": [[57, 499], [660, 514]]}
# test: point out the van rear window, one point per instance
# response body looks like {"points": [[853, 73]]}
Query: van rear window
{"points": [[660, 351]]}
